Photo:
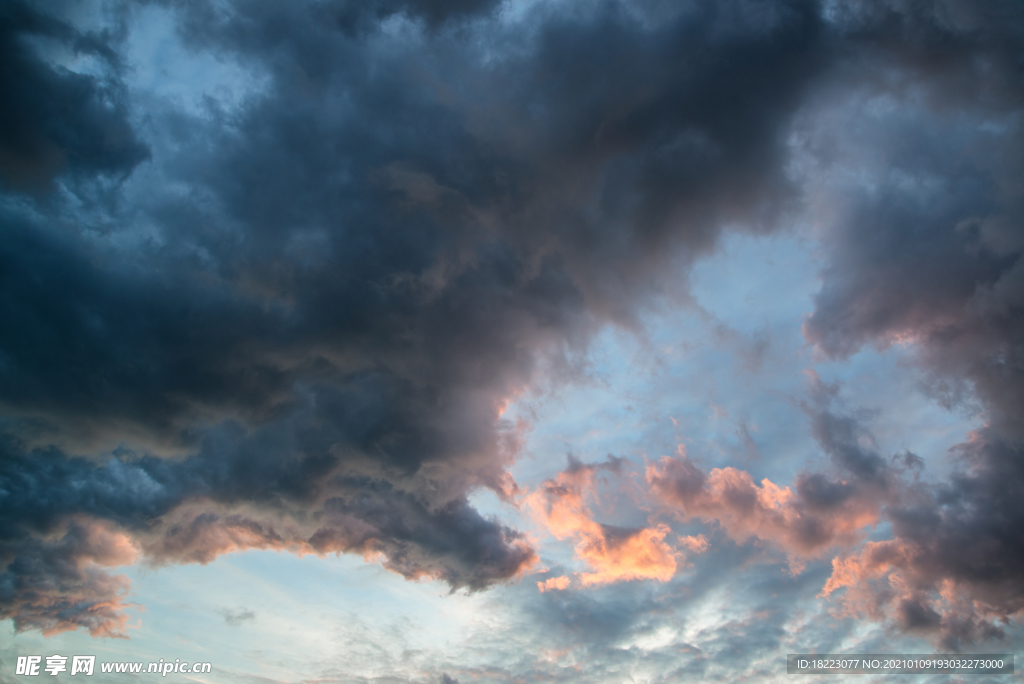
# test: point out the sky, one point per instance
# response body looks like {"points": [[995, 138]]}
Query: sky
{"points": [[452, 341]]}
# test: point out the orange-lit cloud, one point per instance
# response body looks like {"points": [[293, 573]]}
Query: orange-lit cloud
{"points": [[874, 560], [923, 581], [896, 581], [641, 554], [70, 588], [554, 583], [805, 523], [613, 554]]}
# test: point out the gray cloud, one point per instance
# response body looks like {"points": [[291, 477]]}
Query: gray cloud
{"points": [[932, 254], [55, 121], [237, 617], [58, 584]]}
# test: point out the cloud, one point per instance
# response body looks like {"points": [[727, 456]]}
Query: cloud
{"points": [[557, 583], [821, 514], [928, 254], [951, 569], [928, 251], [154, 507], [235, 618], [614, 554], [53, 120], [298, 325], [59, 584], [947, 572]]}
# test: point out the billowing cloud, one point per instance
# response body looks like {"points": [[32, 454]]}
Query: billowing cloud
{"points": [[296, 326], [951, 570], [614, 554], [929, 254], [54, 121], [948, 572], [59, 584], [767, 511], [295, 321], [819, 512]]}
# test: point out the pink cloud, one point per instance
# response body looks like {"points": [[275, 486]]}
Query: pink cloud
{"points": [[554, 583], [613, 555], [801, 523], [69, 589]]}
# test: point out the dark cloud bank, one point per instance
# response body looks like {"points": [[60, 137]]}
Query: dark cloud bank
{"points": [[294, 323]]}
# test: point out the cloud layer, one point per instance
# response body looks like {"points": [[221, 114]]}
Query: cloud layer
{"points": [[295, 321]]}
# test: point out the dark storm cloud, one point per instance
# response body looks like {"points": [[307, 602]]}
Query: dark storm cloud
{"points": [[347, 277], [353, 16], [595, 154], [382, 241], [57, 584], [956, 552], [932, 255], [53, 120], [139, 506]]}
